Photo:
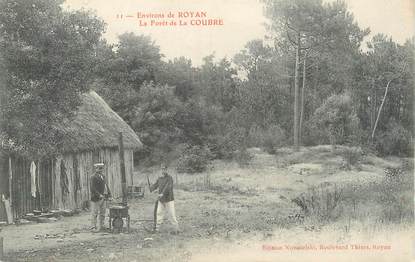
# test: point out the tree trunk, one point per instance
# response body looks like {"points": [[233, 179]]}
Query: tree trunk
{"points": [[296, 87], [372, 104], [380, 109], [300, 128]]}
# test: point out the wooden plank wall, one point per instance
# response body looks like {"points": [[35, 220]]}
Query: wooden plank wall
{"points": [[22, 200], [85, 163], [76, 196], [51, 195], [111, 160], [86, 170], [62, 199], [45, 183], [4, 183]]}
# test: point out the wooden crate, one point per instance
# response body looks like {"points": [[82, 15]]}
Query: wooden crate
{"points": [[135, 191]]}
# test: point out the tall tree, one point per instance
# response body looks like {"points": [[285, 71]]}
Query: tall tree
{"points": [[388, 72], [263, 94], [294, 20], [216, 83], [48, 55], [179, 73], [122, 70], [311, 26]]}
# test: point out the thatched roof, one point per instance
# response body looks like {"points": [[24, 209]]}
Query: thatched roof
{"points": [[96, 126]]}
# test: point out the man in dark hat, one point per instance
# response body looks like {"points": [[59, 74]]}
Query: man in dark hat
{"points": [[165, 199], [99, 193]]}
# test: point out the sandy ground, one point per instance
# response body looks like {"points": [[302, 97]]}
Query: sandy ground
{"points": [[228, 214]]}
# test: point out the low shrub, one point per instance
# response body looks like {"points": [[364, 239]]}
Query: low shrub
{"points": [[334, 122], [194, 159], [243, 157], [395, 140], [270, 139], [274, 139], [351, 156], [322, 202], [395, 193], [389, 200], [223, 146]]}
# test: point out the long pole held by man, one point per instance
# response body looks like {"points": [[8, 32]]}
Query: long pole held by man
{"points": [[155, 207]]}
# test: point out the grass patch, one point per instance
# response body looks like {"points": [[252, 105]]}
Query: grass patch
{"points": [[321, 202], [388, 201]]}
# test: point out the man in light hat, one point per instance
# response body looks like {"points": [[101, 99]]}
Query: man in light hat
{"points": [[99, 193]]}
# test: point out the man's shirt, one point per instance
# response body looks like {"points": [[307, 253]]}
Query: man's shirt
{"points": [[98, 187], [165, 186]]}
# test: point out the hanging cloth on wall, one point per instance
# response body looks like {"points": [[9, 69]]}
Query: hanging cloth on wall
{"points": [[77, 179], [33, 179], [64, 179]]}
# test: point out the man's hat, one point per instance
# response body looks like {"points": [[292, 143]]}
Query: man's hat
{"points": [[99, 165]]}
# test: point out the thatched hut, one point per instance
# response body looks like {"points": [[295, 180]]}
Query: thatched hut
{"points": [[62, 182]]}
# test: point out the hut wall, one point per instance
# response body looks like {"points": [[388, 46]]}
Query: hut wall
{"points": [[4, 184], [78, 192], [86, 170], [45, 180], [111, 159], [63, 183], [22, 200], [72, 173]]}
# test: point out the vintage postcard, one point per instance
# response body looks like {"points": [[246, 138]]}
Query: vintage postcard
{"points": [[216, 130]]}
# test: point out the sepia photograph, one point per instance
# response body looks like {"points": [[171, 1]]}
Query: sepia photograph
{"points": [[199, 131]]}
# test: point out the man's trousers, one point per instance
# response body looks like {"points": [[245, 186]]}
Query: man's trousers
{"points": [[166, 209], [98, 210]]}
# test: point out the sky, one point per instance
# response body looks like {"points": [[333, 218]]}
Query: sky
{"points": [[239, 22]]}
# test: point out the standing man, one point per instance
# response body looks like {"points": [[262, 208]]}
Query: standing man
{"points": [[99, 193], [165, 204]]}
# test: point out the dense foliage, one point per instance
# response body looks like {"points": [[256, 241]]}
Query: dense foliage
{"points": [[312, 76], [47, 56]]}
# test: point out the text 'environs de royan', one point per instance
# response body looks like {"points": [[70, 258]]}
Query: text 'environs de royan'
{"points": [[179, 14]]}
